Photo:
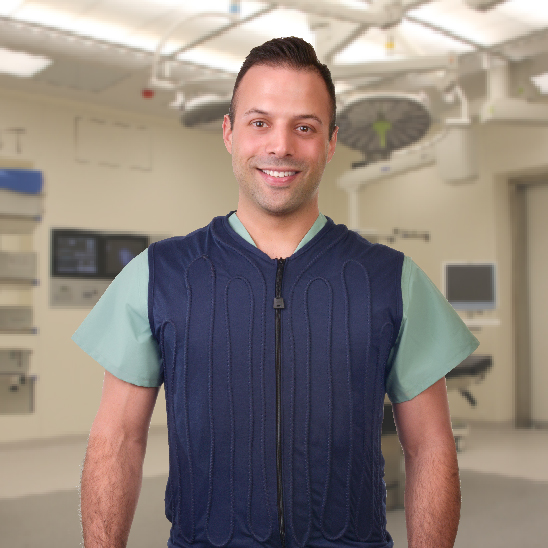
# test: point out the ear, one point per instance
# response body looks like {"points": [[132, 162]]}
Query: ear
{"points": [[227, 133], [332, 144]]}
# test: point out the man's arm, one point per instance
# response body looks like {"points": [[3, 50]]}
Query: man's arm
{"points": [[113, 466], [432, 487]]}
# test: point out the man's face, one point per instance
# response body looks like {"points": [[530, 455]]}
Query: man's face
{"points": [[280, 141]]}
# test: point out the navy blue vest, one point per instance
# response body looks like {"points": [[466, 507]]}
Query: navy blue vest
{"points": [[275, 400]]}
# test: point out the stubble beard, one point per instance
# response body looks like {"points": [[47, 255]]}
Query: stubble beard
{"points": [[282, 201]]}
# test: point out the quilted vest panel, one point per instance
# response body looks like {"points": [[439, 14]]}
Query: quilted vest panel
{"points": [[211, 309]]}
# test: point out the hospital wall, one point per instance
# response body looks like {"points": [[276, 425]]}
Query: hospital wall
{"points": [[189, 181], [468, 222]]}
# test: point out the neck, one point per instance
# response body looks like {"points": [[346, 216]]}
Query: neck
{"points": [[278, 235]]}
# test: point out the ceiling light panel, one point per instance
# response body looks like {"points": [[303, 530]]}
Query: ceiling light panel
{"points": [[248, 8], [129, 14], [213, 59], [7, 7], [218, 6], [529, 12], [191, 5], [266, 27], [22, 64], [356, 4], [541, 82], [98, 30], [75, 6], [149, 42], [370, 47], [41, 14], [427, 41], [485, 28]]}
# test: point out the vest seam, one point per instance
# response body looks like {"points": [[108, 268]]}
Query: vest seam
{"points": [[367, 357], [256, 267]]}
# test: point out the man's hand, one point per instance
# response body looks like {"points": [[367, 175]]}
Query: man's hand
{"points": [[432, 487], [113, 467]]}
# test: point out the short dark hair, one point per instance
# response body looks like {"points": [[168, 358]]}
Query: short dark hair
{"points": [[290, 52]]}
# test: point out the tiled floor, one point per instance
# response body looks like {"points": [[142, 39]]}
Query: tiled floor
{"points": [[513, 453], [40, 467], [36, 468]]}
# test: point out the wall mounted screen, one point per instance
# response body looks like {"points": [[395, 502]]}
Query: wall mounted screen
{"points": [[119, 250], [471, 286], [88, 254], [76, 255]]}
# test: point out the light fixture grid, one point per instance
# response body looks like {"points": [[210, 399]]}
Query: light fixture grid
{"points": [[140, 25]]}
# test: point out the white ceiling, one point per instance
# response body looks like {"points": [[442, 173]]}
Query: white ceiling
{"points": [[102, 50]]}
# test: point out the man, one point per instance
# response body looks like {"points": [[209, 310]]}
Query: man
{"points": [[276, 334]]}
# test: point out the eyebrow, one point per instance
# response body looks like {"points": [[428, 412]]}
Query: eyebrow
{"points": [[298, 117]]}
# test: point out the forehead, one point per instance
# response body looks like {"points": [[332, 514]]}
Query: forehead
{"points": [[283, 90]]}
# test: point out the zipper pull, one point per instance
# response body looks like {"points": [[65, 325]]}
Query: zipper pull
{"points": [[278, 300]]}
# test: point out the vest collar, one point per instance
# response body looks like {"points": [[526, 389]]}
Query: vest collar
{"points": [[224, 231]]}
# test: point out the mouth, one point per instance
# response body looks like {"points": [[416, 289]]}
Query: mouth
{"points": [[278, 177], [278, 173]]}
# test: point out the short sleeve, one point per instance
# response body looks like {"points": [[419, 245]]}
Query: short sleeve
{"points": [[116, 333], [432, 340]]}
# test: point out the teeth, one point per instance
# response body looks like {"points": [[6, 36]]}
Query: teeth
{"points": [[279, 173]]}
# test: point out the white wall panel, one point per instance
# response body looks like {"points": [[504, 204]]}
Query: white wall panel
{"points": [[537, 221]]}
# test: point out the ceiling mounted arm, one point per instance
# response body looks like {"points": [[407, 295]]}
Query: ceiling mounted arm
{"points": [[234, 21], [412, 4], [483, 5], [393, 67], [164, 82], [465, 109]]}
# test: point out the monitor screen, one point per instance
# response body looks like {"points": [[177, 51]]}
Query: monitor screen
{"points": [[76, 255], [470, 286], [120, 250], [89, 254]]}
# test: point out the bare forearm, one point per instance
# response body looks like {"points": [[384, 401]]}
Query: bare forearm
{"points": [[110, 487], [432, 499]]}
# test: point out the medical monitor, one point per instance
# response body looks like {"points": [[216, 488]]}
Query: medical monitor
{"points": [[120, 249], [89, 254], [470, 286], [75, 254]]}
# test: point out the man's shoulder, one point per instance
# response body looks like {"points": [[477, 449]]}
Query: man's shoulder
{"points": [[179, 252], [193, 242], [374, 249]]}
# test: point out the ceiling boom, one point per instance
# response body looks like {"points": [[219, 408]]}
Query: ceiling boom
{"points": [[392, 67]]}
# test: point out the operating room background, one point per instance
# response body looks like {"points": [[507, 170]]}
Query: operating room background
{"points": [[188, 182]]}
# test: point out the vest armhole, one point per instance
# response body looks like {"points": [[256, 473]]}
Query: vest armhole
{"points": [[151, 289]]}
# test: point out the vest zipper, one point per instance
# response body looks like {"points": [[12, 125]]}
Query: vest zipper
{"points": [[278, 306]]}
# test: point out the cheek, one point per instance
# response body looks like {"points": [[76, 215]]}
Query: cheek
{"points": [[317, 152], [245, 148]]}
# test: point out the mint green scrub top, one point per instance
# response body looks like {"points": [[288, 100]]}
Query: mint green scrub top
{"points": [[432, 339]]}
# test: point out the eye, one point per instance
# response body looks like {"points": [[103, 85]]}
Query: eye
{"points": [[258, 123], [304, 129]]}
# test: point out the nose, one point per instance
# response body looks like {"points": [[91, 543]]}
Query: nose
{"points": [[281, 142]]}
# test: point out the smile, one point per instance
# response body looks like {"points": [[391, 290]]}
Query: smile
{"points": [[278, 173]]}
